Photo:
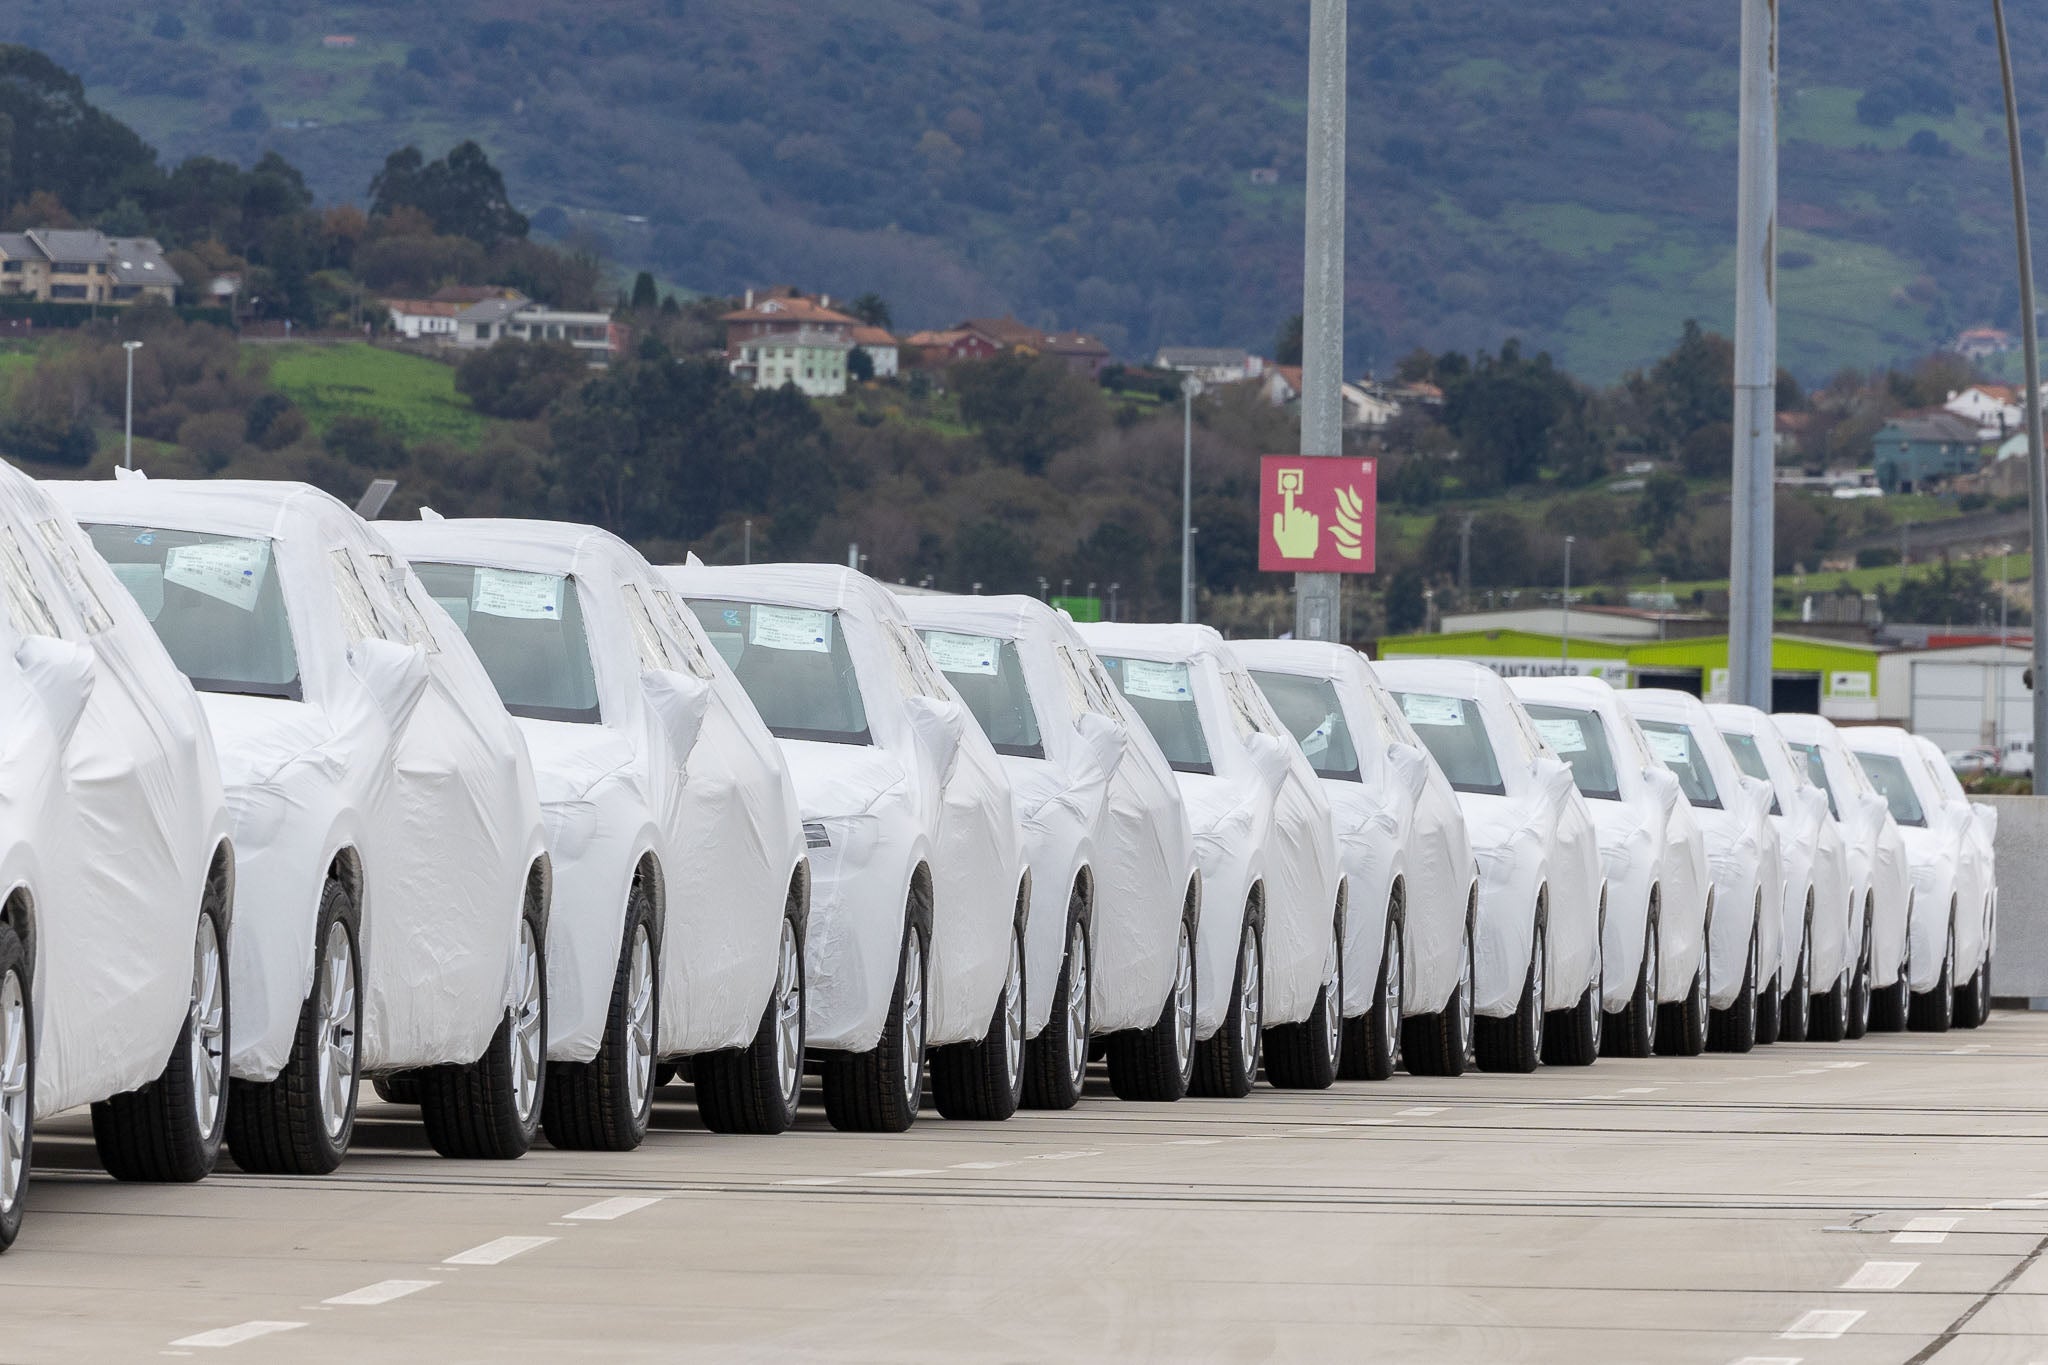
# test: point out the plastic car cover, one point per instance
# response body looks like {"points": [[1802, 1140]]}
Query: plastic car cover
{"points": [[1880, 875], [1259, 819], [1649, 840], [389, 748], [1533, 838], [1098, 795], [1396, 820], [1979, 866], [674, 774], [110, 809], [924, 790]]}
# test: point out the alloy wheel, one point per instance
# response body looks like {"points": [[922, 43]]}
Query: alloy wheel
{"points": [[1184, 1001], [789, 1017], [526, 1028], [1250, 1000], [1390, 1005], [1013, 1016], [14, 1096], [1076, 1003], [912, 1038], [209, 1029], [640, 1020], [337, 1056]]}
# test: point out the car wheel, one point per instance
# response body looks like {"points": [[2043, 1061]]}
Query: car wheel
{"points": [[1440, 1044], [1973, 997], [1796, 1007], [1372, 1042], [605, 1104], [1056, 1063], [490, 1109], [1858, 1022], [170, 1129], [1158, 1064], [1572, 1036], [1307, 1055], [1889, 1005], [756, 1089], [400, 1087], [1635, 1028], [1227, 1064], [1516, 1042], [878, 1091], [17, 1083], [1682, 1025], [300, 1123], [1934, 1011], [1734, 1029], [985, 1080]]}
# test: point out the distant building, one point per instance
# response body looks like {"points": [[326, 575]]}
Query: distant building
{"points": [[489, 321], [1979, 342], [1084, 354], [952, 346], [1211, 364], [1997, 409], [79, 265], [1282, 385], [1915, 449], [1368, 405], [423, 319], [882, 348], [813, 360], [783, 315]]}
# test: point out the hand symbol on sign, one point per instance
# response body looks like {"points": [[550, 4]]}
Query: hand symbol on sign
{"points": [[1296, 531]]}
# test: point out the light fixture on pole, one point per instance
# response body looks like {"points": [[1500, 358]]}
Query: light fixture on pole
{"points": [[1569, 541], [128, 413], [1189, 387]]}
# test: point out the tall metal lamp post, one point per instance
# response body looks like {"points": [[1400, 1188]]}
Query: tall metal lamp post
{"points": [[128, 412], [1189, 388], [1318, 596], [1569, 541], [1756, 359]]}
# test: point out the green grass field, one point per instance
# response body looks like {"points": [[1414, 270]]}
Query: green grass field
{"points": [[411, 395]]}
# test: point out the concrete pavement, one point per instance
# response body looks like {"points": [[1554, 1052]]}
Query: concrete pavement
{"points": [[1877, 1201]]}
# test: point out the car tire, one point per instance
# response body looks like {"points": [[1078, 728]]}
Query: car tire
{"points": [[878, 1091], [1857, 1021], [1633, 1031], [1056, 1061], [1830, 1023], [1441, 1044], [1572, 1036], [300, 1122], [170, 1130], [756, 1089], [1973, 997], [1372, 1042], [1682, 1024], [1770, 1013], [400, 1087], [17, 1083], [1735, 1028], [1156, 1065], [1227, 1064], [1795, 1007], [490, 1109], [1934, 1011], [983, 1081], [1308, 1055], [606, 1103], [1516, 1042]]}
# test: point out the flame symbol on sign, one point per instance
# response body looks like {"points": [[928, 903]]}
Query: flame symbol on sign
{"points": [[1349, 532]]}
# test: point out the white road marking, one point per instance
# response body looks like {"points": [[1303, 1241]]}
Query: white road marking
{"points": [[236, 1335], [815, 1180], [1881, 1275], [980, 1165], [1821, 1324], [1842, 1066], [499, 1251], [1359, 1123], [1642, 1089], [901, 1173], [384, 1291], [1061, 1156], [604, 1210], [1194, 1142], [1770, 1360], [1420, 1112], [2019, 1204], [1925, 1231]]}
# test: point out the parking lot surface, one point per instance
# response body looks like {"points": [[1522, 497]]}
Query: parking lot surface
{"points": [[1885, 1200]]}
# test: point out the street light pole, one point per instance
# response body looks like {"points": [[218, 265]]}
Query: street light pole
{"points": [[1189, 387], [1569, 541], [747, 554], [2004, 601], [1317, 596], [128, 412], [1756, 359]]}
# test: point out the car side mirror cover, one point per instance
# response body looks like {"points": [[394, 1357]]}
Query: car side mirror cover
{"points": [[395, 675], [1102, 744], [681, 700], [1410, 765], [939, 725], [1270, 759], [60, 673]]}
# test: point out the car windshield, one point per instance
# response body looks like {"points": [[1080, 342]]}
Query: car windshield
{"points": [[1888, 775], [794, 664], [1749, 757], [1309, 708], [1451, 729], [1580, 740], [989, 676], [527, 630], [1676, 749], [1818, 771], [1163, 695], [216, 604]]}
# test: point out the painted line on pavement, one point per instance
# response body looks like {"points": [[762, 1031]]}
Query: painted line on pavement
{"points": [[1420, 1112], [1821, 1324], [498, 1251], [236, 1335], [815, 1180], [900, 1173], [384, 1291], [1925, 1231], [1770, 1360], [605, 1210], [1881, 1275]]}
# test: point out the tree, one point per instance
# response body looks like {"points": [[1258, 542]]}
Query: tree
{"points": [[872, 309], [860, 366], [1954, 594], [988, 552], [645, 295], [462, 193], [519, 380], [1407, 607], [53, 140], [1690, 388], [1027, 408], [1511, 415], [1662, 504], [1287, 346]]}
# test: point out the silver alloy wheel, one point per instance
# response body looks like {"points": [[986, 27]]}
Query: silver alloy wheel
{"points": [[1250, 1000], [1076, 1003], [1536, 969], [14, 1096], [1468, 1000], [1756, 965], [1013, 1015], [526, 1020], [640, 1019], [1184, 1001], [337, 1056], [209, 1029], [1596, 991], [1391, 970], [789, 1017], [912, 1038], [1333, 1006]]}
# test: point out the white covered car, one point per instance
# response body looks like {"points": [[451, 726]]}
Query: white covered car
{"points": [[391, 879], [1116, 893], [1813, 861], [1412, 881], [919, 894], [1542, 895], [1269, 973], [1659, 891], [116, 872], [681, 884], [1955, 891], [1849, 978]]}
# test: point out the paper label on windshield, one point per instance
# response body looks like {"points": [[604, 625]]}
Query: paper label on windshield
{"points": [[972, 654], [1668, 747], [1156, 682], [231, 571], [792, 628], [517, 595], [1317, 741], [1562, 733], [1423, 709]]}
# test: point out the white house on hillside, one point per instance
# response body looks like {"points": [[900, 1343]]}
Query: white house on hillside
{"points": [[813, 360], [1995, 408], [1211, 364]]}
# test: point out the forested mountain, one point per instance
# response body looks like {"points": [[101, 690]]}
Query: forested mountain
{"points": [[1558, 170]]}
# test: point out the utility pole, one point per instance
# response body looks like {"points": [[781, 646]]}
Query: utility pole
{"points": [[1465, 564], [1189, 387], [1317, 596], [1756, 359], [128, 413], [1567, 632], [2037, 459], [747, 553]]}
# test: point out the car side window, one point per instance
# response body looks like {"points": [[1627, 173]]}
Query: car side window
{"points": [[417, 631], [653, 652], [358, 613], [1085, 691], [680, 634], [64, 553], [25, 603], [1244, 710], [915, 673]]}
